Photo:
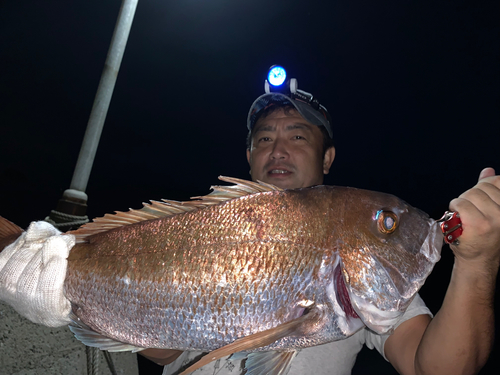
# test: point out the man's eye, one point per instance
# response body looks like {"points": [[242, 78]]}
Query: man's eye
{"points": [[298, 137], [264, 139]]}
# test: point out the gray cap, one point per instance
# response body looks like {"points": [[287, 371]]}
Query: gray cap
{"points": [[318, 117]]}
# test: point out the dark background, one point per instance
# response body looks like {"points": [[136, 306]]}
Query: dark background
{"points": [[412, 87]]}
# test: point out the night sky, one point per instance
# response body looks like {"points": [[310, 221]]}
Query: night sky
{"points": [[412, 87]]}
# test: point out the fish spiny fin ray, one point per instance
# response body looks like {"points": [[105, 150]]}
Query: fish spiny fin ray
{"points": [[91, 338], [8, 228], [156, 209], [269, 363], [254, 341], [9, 232]]}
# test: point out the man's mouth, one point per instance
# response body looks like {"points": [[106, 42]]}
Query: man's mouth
{"points": [[278, 171]]}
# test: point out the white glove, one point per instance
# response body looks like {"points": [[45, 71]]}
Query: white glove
{"points": [[32, 273]]}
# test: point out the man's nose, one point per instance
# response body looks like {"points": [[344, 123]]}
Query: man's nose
{"points": [[279, 150]]}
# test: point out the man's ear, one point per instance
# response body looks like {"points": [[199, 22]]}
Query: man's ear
{"points": [[248, 155], [328, 159]]}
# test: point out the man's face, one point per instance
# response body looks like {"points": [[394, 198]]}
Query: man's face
{"points": [[287, 151]]}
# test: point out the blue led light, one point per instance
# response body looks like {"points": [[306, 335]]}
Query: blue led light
{"points": [[276, 76]]}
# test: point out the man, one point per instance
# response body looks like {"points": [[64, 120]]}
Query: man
{"points": [[290, 146], [286, 150]]}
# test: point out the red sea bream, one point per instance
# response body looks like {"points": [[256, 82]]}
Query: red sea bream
{"points": [[250, 268]]}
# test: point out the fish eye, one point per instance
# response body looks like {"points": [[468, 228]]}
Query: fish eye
{"points": [[387, 222]]}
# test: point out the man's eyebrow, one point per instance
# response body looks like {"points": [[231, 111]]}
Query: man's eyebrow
{"points": [[298, 125], [269, 128], [265, 128]]}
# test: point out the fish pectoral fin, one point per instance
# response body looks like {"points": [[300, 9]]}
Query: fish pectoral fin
{"points": [[239, 356], [91, 338], [254, 341], [269, 363]]}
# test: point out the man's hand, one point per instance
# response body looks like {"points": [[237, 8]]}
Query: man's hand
{"points": [[32, 273], [460, 337], [479, 210]]}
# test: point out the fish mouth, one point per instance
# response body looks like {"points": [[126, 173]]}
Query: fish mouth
{"points": [[342, 294], [431, 247]]}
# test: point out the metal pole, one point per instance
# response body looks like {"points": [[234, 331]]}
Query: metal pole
{"points": [[74, 199]]}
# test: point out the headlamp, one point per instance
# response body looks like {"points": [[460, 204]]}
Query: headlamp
{"points": [[279, 89], [277, 82], [276, 76]]}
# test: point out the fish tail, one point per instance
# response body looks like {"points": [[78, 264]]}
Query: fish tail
{"points": [[9, 232]]}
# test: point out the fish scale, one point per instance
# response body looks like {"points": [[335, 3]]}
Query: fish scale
{"points": [[261, 267]]}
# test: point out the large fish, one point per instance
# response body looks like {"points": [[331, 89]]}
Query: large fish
{"points": [[249, 267]]}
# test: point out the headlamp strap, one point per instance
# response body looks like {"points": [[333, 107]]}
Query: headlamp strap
{"points": [[305, 97]]}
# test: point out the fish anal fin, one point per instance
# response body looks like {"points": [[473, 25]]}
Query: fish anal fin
{"points": [[9, 232], [269, 363], [89, 337], [256, 340]]}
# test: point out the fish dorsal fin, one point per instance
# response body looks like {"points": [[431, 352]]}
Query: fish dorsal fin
{"points": [[156, 209], [256, 340]]}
